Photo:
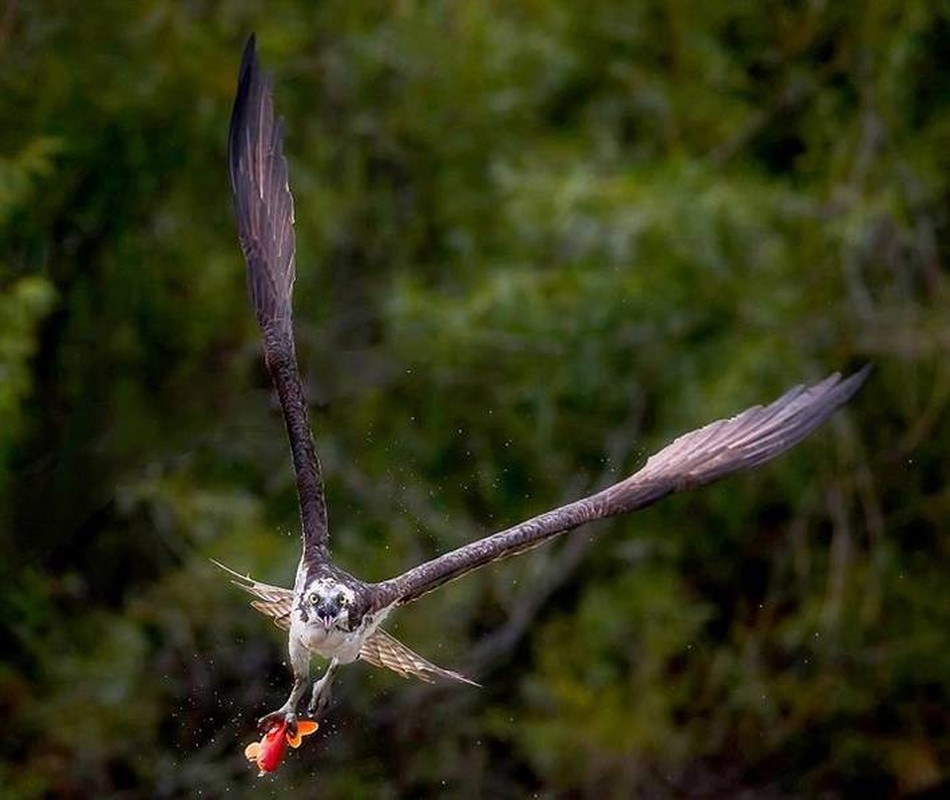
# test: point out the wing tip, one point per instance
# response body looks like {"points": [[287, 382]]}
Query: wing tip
{"points": [[837, 390], [248, 78], [856, 380], [236, 577]]}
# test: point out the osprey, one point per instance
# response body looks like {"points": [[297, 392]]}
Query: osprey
{"points": [[338, 616]]}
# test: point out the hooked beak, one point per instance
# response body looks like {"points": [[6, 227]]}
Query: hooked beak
{"points": [[327, 611]]}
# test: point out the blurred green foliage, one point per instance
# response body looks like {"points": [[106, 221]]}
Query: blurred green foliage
{"points": [[535, 242]]}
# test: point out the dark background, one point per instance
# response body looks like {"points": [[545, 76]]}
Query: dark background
{"points": [[536, 241]]}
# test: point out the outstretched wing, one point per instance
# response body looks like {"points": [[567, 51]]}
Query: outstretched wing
{"points": [[265, 217], [702, 456], [272, 601], [382, 650]]}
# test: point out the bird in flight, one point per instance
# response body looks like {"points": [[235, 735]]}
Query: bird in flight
{"points": [[334, 614]]}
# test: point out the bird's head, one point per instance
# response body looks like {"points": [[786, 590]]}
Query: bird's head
{"points": [[328, 602]]}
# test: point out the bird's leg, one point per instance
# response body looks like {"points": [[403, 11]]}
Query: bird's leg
{"points": [[320, 697], [300, 663]]}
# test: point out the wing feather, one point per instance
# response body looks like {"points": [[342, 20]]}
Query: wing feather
{"points": [[264, 208], [702, 456], [272, 601], [383, 650]]}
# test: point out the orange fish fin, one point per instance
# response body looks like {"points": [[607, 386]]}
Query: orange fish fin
{"points": [[304, 728], [252, 751]]}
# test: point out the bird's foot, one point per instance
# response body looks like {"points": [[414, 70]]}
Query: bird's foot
{"points": [[319, 702], [317, 710], [282, 715]]}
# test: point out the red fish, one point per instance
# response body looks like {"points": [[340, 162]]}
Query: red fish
{"points": [[269, 751]]}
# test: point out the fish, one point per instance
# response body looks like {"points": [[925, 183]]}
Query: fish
{"points": [[270, 750]]}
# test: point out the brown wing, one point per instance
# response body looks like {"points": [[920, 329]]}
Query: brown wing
{"points": [[382, 650], [702, 456], [272, 601], [265, 217]]}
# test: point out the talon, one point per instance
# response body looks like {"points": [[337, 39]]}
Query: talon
{"points": [[318, 709], [268, 721], [318, 705]]}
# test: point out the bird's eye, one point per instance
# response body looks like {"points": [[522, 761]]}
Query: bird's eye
{"points": [[314, 598], [341, 599]]}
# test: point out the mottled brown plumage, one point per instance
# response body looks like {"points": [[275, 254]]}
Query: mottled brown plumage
{"points": [[334, 614]]}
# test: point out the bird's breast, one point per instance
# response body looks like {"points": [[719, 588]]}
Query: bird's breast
{"points": [[344, 646]]}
